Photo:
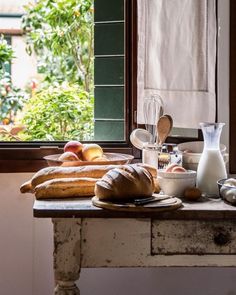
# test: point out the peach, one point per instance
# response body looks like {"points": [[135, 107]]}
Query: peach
{"points": [[73, 146], [170, 167], [91, 151], [68, 156], [174, 168], [100, 159], [178, 169]]}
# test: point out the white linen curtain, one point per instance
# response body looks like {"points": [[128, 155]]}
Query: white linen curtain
{"points": [[177, 58]]}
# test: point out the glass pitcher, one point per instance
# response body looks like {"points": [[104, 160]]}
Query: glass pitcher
{"points": [[211, 166]]}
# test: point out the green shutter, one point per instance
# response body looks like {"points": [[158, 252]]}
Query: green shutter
{"points": [[109, 69]]}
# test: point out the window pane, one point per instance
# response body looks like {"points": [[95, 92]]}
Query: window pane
{"points": [[70, 83]]}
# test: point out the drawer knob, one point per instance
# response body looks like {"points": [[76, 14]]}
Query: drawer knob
{"points": [[221, 239]]}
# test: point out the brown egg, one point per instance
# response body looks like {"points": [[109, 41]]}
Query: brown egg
{"points": [[192, 194]]}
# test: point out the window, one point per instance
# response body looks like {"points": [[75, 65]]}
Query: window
{"points": [[113, 112]]}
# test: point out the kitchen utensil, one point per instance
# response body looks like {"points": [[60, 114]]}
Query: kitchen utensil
{"points": [[152, 110], [154, 198], [164, 205], [139, 137], [164, 126], [211, 166]]}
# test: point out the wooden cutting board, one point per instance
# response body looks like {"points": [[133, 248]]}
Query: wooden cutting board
{"points": [[169, 204]]}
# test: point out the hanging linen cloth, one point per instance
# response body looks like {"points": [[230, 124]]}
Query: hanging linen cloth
{"points": [[177, 58]]}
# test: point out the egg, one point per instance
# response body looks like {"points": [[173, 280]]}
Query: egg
{"points": [[230, 182], [192, 194]]}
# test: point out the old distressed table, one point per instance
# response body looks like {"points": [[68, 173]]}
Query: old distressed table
{"points": [[198, 234]]}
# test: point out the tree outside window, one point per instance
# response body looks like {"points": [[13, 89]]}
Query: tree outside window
{"points": [[58, 105]]}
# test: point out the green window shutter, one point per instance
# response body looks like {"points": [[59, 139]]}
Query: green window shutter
{"points": [[109, 51]]}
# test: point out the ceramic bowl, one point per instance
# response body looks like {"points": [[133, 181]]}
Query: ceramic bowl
{"points": [[174, 184], [221, 184], [191, 153]]}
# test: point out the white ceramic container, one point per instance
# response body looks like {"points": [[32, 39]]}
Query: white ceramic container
{"points": [[174, 184]]}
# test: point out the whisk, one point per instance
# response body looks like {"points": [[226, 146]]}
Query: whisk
{"points": [[152, 110]]}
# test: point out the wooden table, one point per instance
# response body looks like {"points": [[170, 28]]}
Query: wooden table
{"points": [[198, 234]]}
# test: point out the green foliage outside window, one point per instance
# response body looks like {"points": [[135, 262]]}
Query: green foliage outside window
{"points": [[59, 113], [11, 98], [60, 32]]}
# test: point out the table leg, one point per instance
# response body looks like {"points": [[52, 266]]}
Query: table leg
{"points": [[67, 255]]}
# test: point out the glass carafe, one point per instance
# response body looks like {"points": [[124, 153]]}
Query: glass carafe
{"points": [[211, 166]]}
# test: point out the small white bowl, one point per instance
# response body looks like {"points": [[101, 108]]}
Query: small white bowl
{"points": [[174, 184]]}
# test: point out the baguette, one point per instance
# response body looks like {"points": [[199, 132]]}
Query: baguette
{"points": [[66, 188], [26, 187], [92, 171]]}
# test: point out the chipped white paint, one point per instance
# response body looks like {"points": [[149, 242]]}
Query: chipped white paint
{"points": [[67, 255], [193, 237], [114, 242]]}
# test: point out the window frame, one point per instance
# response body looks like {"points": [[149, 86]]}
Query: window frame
{"points": [[28, 156]]}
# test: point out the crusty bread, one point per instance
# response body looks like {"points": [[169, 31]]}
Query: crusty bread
{"points": [[93, 171], [26, 187], [151, 169], [126, 182], [65, 188]]}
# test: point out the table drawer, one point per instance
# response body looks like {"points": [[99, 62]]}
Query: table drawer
{"points": [[171, 237]]}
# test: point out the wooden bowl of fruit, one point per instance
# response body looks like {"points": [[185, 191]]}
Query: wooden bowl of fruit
{"points": [[78, 154]]}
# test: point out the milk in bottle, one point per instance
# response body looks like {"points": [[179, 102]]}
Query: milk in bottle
{"points": [[211, 166]]}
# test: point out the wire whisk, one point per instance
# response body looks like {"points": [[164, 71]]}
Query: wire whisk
{"points": [[152, 110]]}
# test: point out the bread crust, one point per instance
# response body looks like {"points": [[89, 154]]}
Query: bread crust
{"points": [[26, 187], [124, 183], [66, 188], [93, 171]]}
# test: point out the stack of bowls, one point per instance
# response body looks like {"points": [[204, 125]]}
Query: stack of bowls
{"points": [[191, 153]]}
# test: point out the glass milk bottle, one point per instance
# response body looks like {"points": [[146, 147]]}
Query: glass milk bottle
{"points": [[211, 166]]}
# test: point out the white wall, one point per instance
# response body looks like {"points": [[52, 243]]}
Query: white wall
{"points": [[24, 66], [25, 244]]}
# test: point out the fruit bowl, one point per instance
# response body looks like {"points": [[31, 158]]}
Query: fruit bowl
{"points": [[112, 159]]}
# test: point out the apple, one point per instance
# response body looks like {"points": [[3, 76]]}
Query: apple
{"points": [[73, 146], [68, 156]]}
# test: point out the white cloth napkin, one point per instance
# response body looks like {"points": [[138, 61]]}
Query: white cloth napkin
{"points": [[177, 58]]}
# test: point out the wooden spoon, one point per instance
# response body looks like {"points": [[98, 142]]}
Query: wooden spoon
{"points": [[164, 126]]}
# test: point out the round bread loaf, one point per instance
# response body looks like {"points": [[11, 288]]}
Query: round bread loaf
{"points": [[126, 182], [91, 151]]}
